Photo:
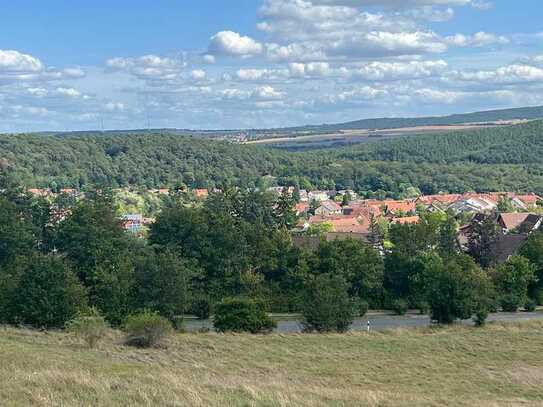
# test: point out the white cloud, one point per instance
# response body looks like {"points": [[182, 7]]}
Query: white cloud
{"points": [[198, 74], [14, 61], [233, 44], [480, 39], [149, 67], [70, 92], [510, 74]]}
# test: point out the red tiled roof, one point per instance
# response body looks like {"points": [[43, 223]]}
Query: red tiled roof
{"points": [[443, 198], [403, 206], [511, 221], [201, 193], [530, 199], [302, 207]]}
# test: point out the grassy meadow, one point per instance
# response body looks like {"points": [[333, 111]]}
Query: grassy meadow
{"points": [[500, 365]]}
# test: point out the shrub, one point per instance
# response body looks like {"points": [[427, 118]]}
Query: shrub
{"points": [[510, 303], [91, 327], [328, 306], [480, 316], [146, 329], [201, 308], [423, 307], [530, 306], [242, 315], [400, 306], [363, 308], [178, 323]]}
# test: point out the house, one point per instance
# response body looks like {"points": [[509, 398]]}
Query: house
{"points": [[42, 193], [523, 222], [302, 208], [473, 205], [530, 200], [328, 208], [441, 199], [304, 197], [318, 196], [393, 208], [201, 193], [132, 222]]}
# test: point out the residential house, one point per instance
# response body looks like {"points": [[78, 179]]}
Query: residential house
{"points": [[473, 205], [394, 208], [328, 208], [132, 222], [201, 193], [302, 208], [318, 196], [41, 193]]}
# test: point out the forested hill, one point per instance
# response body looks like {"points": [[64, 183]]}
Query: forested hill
{"points": [[519, 144], [507, 158], [528, 113]]}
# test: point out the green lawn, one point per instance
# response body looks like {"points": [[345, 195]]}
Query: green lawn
{"points": [[501, 365]]}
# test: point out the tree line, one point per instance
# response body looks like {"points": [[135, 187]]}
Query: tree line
{"points": [[237, 246]]}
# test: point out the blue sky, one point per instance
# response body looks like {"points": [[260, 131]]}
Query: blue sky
{"points": [[68, 65]]}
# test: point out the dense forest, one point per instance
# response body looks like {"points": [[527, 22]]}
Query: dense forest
{"points": [[505, 158]]}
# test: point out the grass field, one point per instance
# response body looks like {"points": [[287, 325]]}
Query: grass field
{"points": [[501, 365]]}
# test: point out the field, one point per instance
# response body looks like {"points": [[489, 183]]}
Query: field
{"points": [[501, 365], [334, 138]]}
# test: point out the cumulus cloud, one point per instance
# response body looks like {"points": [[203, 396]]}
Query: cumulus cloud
{"points": [[149, 67], [510, 74], [14, 61], [480, 39], [233, 44]]}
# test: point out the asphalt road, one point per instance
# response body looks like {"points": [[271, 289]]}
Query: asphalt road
{"points": [[380, 322]]}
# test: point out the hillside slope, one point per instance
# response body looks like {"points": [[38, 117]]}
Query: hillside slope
{"points": [[493, 366], [519, 144], [528, 113], [505, 158]]}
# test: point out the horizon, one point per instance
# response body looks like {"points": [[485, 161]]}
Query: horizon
{"points": [[261, 65]]}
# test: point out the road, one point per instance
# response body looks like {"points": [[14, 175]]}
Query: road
{"points": [[380, 322]]}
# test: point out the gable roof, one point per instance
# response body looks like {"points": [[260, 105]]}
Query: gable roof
{"points": [[403, 206], [330, 206], [511, 221]]}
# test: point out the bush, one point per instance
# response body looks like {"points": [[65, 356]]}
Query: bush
{"points": [[530, 306], [400, 306], [201, 308], [480, 316], [363, 308], [510, 303], [423, 307], [146, 329], [242, 315], [91, 327], [328, 306]]}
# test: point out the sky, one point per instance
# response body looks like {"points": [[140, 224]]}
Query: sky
{"points": [[215, 64]]}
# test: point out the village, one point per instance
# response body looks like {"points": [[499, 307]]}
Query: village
{"points": [[332, 215]]}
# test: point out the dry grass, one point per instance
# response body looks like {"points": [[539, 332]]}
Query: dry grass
{"points": [[501, 365]]}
